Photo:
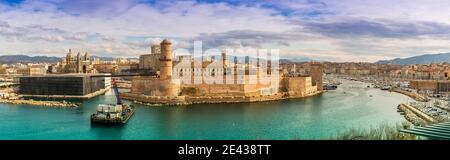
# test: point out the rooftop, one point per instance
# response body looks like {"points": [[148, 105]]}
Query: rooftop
{"points": [[67, 75]]}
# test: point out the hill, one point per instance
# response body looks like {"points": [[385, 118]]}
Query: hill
{"points": [[422, 59]]}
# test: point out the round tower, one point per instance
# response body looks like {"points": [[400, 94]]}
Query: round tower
{"points": [[165, 60]]}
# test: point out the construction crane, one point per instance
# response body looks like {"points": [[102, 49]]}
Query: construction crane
{"points": [[116, 91]]}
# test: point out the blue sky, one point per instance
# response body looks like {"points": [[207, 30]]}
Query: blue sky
{"points": [[331, 30]]}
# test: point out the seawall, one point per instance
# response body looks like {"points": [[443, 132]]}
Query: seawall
{"points": [[185, 100]]}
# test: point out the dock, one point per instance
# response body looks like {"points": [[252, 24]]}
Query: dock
{"points": [[420, 114]]}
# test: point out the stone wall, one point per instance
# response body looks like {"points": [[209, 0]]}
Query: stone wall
{"points": [[149, 61], [298, 86], [223, 89], [424, 85], [152, 86], [183, 100], [169, 100], [213, 89]]}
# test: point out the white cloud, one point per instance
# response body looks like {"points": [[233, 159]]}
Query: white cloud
{"points": [[128, 27]]}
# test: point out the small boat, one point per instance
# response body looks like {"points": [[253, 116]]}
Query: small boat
{"points": [[386, 88]]}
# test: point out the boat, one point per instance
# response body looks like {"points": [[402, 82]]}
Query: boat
{"points": [[118, 113], [329, 87], [386, 88]]}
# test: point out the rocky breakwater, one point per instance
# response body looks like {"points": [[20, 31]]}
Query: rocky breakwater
{"points": [[415, 116], [40, 103]]}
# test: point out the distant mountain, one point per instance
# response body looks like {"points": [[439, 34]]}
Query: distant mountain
{"points": [[12, 59], [422, 59], [297, 59]]}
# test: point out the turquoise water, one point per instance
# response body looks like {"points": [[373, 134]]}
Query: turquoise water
{"points": [[353, 105]]}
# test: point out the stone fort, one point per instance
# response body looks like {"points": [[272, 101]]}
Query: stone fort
{"points": [[217, 79]]}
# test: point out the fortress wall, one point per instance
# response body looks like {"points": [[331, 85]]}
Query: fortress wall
{"points": [[298, 86], [213, 89], [155, 86]]}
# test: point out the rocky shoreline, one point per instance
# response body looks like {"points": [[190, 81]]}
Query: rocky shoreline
{"points": [[62, 104], [411, 116], [186, 100]]}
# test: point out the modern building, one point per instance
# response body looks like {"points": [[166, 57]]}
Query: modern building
{"points": [[60, 85]]}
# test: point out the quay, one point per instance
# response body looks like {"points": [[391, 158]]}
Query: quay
{"points": [[418, 113], [413, 95]]}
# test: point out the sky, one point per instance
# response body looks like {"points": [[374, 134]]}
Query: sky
{"points": [[328, 30]]}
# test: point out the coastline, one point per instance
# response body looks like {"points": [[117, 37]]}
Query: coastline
{"points": [[187, 100], [414, 96], [415, 116], [40, 103]]}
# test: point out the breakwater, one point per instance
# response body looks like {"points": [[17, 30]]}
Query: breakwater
{"points": [[40, 103], [415, 116]]}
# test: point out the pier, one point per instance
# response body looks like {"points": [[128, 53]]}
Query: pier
{"points": [[413, 95], [419, 113]]}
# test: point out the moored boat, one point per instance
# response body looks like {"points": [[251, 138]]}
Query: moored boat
{"points": [[118, 113]]}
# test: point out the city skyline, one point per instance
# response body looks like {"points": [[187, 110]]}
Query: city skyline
{"points": [[339, 31]]}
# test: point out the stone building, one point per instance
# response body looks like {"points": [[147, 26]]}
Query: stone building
{"points": [[151, 61], [163, 85], [300, 86], [316, 75], [78, 64], [31, 71], [435, 86], [218, 77]]}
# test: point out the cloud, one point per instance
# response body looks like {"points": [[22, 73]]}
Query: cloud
{"points": [[249, 38], [355, 30], [381, 28], [38, 32]]}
